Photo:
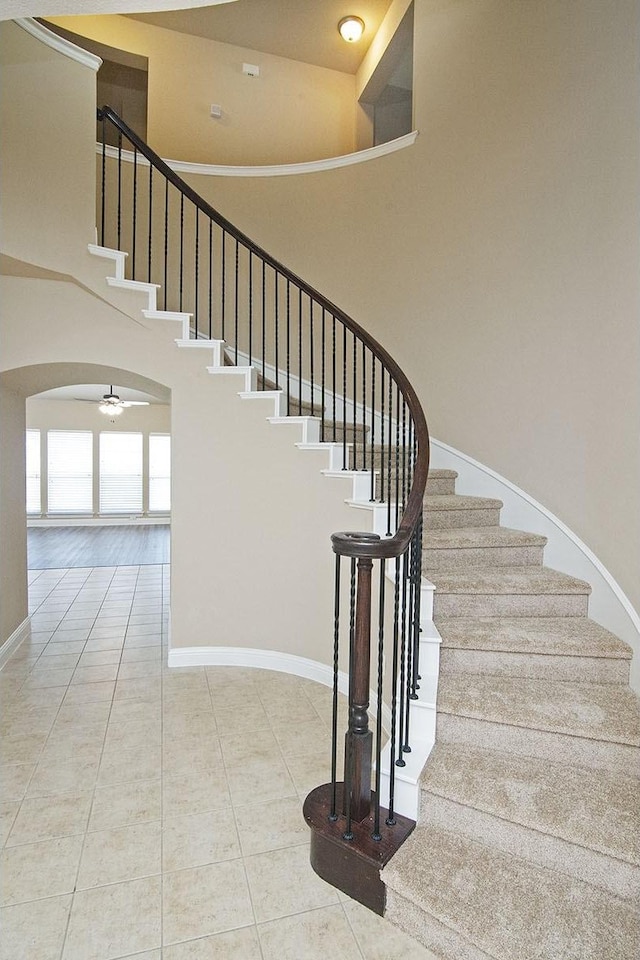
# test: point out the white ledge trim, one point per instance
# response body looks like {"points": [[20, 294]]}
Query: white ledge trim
{"points": [[274, 170], [63, 46]]}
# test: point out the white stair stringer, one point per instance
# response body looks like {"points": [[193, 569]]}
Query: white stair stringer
{"points": [[422, 710], [118, 257]]}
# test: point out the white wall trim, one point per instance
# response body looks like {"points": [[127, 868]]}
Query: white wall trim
{"points": [[273, 170], [565, 551], [75, 521], [65, 47], [12, 642]]}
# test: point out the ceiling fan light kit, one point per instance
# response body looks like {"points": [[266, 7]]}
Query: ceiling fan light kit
{"points": [[112, 405]]}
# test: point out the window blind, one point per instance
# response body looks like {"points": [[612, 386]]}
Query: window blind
{"points": [[160, 472], [70, 471], [120, 472]]}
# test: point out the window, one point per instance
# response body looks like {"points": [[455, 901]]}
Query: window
{"points": [[159, 472], [120, 472], [33, 472], [70, 471]]}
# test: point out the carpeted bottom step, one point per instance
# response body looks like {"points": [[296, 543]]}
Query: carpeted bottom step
{"points": [[466, 901], [571, 819], [595, 725], [556, 648]]}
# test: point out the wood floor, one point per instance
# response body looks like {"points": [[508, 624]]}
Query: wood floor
{"points": [[51, 548]]}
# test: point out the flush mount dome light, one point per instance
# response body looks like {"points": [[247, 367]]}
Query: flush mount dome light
{"points": [[351, 29]]}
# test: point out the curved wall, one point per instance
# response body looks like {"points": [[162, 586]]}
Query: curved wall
{"points": [[497, 257]]}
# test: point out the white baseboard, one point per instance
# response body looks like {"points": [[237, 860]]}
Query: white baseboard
{"points": [[565, 551], [12, 643], [74, 521]]}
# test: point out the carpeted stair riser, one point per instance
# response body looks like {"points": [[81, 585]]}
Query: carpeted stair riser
{"points": [[563, 636], [614, 876], [444, 558], [501, 905], [602, 713], [534, 665], [524, 741], [446, 519], [523, 605], [436, 486], [431, 933]]}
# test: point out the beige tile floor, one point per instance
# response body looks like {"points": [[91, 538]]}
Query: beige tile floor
{"points": [[155, 813]]}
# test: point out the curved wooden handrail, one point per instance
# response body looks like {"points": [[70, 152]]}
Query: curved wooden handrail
{"points": [[348, 544]]}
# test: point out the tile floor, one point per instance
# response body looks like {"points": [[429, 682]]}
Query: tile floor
{"points": [[155, 813]]}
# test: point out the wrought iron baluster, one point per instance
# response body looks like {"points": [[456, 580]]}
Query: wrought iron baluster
{"points": [[311, 351], [196, 311], [364, 407], [389, 455], [150, 248], [119, 221], [300, 377], [236, 318], [394, 690], [181, 282], [276, 297], [210, 284], [372, 495], [323, 372], [166, 242], [334, 711], [104, 177], [264, 329], [250, 308], [376, 822], [348, 759], [134, 220]]}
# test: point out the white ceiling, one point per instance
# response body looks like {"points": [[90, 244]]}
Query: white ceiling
{"points": [[305, 30]]}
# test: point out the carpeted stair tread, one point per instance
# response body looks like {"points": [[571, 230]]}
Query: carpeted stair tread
{"points": [[529, 581], [504, 906], [596, 809], [602, 712], [561, 636]]}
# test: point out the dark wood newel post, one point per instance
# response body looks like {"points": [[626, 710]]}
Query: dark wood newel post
{"points": [[358, 738]]}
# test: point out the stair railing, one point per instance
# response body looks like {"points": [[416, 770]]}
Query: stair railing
{"points": [[330, 369]]}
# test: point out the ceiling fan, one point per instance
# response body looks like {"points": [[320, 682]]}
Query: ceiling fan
{"points": [[113, 405]]}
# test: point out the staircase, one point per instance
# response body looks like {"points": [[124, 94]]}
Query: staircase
{"points": [[528, 836], [527, 842]]}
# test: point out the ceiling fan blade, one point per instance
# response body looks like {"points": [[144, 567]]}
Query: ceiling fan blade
{"points": [[134, 403]]}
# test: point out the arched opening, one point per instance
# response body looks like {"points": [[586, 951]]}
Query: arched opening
{"points": [[16, 387]]}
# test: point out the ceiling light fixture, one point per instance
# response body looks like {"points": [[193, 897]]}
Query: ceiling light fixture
{"points": [[351, 29], [111, 404]]}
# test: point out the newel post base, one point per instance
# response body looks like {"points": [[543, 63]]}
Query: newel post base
{"points": [[352, 866]]}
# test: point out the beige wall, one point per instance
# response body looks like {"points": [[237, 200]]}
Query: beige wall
{"points": [[497, 258], [13, 546], [251, 562], [292, 112], [45, 102]]}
